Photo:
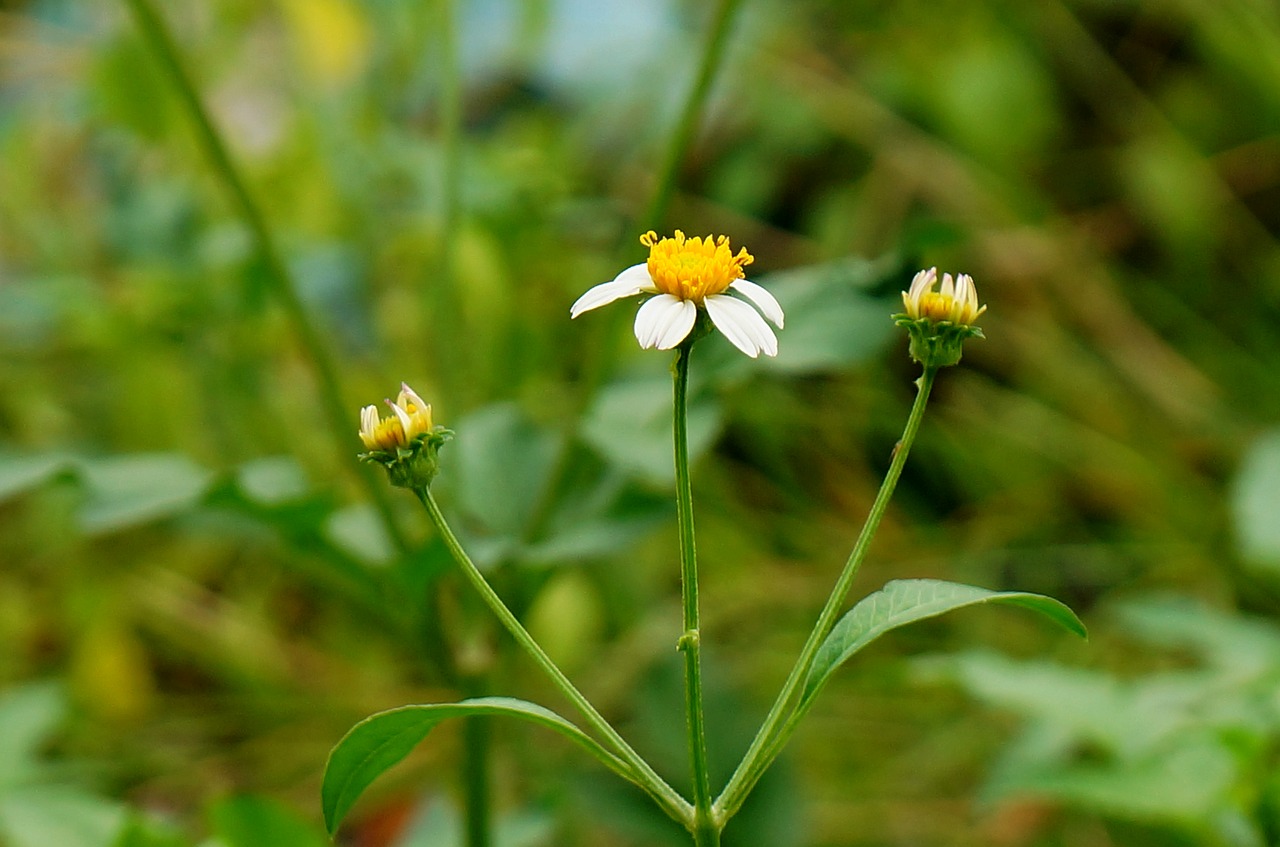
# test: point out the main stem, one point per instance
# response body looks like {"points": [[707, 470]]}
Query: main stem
{"points": [[643, 775], [778, 724], [706, 829], [477, 754]]}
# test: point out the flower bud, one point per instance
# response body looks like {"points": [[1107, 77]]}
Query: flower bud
{"points": [[405, 442], [938, 322]]}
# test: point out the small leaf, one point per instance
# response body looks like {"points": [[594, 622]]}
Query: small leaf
{"points": [[503, 462], [48, 815], [629, 424], [125, 491], [906, 601], [1255, 497], [22, 473], [358, 531], [380, 741], [272, 480], [28, 716]]}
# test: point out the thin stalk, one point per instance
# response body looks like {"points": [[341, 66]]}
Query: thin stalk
{"points": [[476, 757], [642, 774], [687, 124], [704, 821], [160, 40], [779, 723]]}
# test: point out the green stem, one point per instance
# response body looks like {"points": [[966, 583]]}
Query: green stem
{"points": [[690, 642], [640, 772], [475, 770], [781, 722], [687, 124], [160, 41]]}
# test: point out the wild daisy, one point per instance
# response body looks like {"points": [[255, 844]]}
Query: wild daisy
{"points": [[406, 442], [690, 275], [938, 322]]}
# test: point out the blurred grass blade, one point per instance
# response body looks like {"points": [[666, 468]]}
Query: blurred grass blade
{"points": [[160, 41], [905, 601], [382, 740], [687, 125]]}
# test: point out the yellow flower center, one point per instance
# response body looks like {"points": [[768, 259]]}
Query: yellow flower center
{"points": [[693, 268], [387, 435], [406, 422], [937, 307]]}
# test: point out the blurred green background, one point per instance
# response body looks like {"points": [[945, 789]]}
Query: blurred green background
{"points": [[199, 592]]}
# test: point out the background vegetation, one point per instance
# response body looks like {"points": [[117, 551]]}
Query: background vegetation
{"points": [[200, 593]]}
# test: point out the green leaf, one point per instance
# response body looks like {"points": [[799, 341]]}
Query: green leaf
{"points": [[629, 424], [503, 463], [125, 491], [272, 480], [28, 717], [1255, 500], [358, 531], [19, 474], [43, 816], [906, 601], [832, 322], [380, 741]]}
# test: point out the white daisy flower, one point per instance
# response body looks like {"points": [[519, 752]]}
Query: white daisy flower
{"points": [[688, 274]]}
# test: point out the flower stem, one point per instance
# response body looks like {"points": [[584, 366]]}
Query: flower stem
{"points": [[477, 751], [706, 828], [639, 770], [687, 124], [160, 41], [781, 721]]}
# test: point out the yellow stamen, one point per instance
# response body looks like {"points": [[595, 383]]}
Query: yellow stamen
{"points": [[693, 268]]}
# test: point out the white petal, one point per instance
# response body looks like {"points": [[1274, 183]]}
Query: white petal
{"points": [[408, 395], [368, 420], [633, 280], [664, 321], [406, 423], [764, 301], [922, 282], [742, 325], [948, 287]]}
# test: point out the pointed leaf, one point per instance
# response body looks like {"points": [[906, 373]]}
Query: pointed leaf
{"points": [[380, 741], [905, 601]]}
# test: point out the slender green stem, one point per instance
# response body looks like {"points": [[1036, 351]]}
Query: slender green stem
{"points": [[687, 124], [779, 723], [161, 42], [477, 751], [690, 642], [640, 772]]}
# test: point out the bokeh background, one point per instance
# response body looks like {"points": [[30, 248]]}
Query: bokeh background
{"points": [[200, 593]]}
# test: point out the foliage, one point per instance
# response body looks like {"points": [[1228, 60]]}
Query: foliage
{"points": [[191, 560]]}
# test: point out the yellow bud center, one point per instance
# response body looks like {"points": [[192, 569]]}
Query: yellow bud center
{"points": [[693, 268], [387, 435]]}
